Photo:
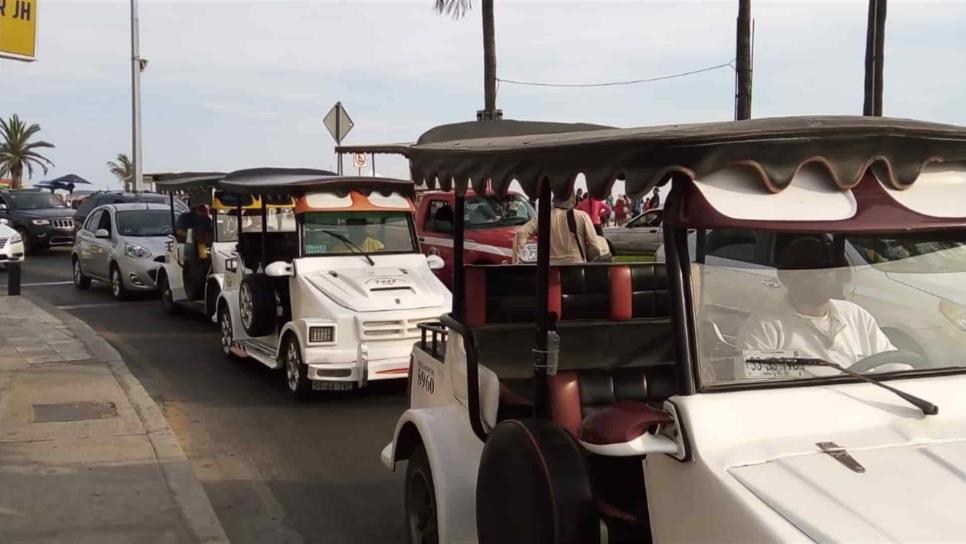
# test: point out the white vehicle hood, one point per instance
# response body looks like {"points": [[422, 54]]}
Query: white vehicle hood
{"points": [[378, 288], [907, 493], [950, 285]]}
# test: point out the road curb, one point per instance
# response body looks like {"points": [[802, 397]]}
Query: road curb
{"points": [[178, 473]]}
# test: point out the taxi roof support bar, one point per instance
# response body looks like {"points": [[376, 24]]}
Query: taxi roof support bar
{"points": [[171, 203], [264, 252], [544, 320]]}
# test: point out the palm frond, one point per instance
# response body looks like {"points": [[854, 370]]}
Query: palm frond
{"points": [[453, 8]]}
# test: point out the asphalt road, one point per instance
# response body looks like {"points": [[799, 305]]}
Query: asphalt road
{"points": [[275, 470]]}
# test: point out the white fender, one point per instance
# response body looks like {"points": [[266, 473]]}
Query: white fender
{"points": [[454, 458]]}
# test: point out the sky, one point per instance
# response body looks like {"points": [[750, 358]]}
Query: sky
{"points": [[238, 84]]}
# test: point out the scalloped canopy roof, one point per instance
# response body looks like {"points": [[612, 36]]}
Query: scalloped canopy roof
{"points": [[498, 152]]}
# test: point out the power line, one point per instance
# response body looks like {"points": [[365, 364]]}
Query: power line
{"points": [[730, 64]]}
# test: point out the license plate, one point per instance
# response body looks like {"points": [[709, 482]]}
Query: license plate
{"points": [[759, 370], [332, 386]]}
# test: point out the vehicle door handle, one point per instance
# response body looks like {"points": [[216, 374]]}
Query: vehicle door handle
{"points": [[772, 284]]}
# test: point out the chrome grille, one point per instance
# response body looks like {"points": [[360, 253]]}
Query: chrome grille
{"points": [[3, 242], [391, 329], [66, 223]]}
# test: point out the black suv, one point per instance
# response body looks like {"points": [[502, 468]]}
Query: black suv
{"points": [[119, 197], [42, 219]]}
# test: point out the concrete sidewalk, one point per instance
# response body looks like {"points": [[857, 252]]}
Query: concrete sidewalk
{"points": [[86, 456]]}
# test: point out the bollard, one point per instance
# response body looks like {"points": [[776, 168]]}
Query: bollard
{"points": [[13, 279]]}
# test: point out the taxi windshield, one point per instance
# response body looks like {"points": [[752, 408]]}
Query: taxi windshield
{"points": [[884, 303], [345, 233]]}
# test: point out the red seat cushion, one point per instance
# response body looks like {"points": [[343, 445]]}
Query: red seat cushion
{"points": [[621, 422]]}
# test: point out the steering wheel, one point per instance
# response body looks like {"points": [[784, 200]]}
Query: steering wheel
{"points": [[899, 356]]}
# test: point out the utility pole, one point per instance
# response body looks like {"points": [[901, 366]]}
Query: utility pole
{"points": [[874, 58], [743, 61], [136, 68]]}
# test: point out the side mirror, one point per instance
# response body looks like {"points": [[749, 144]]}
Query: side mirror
{"points": [[279, 269], [435, 262], [4, 221], [3, 207], [102, 233]]}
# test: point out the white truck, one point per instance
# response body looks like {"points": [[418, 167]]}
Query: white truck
{"points": [[333, 296]]}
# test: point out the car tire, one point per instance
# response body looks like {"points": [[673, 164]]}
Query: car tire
{"points": [[167, 296], [296, 372], [256, 305], [117, 283], [227, 332], [80, 280], [422, 522]]}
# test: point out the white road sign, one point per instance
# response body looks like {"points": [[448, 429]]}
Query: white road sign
{"points": [[338, 122]]}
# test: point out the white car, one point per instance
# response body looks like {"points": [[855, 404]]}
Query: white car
{"points": [[333, 293], [11, 244], [641, 234], [602, 403]]}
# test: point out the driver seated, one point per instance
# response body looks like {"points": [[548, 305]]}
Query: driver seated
{"points": [[813, 321], [357, 232]]}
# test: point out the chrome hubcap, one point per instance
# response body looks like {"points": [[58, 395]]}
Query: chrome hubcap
{"points": [[292, 364], [116, 283], [246, 306], [77, 272], [226, 339]]}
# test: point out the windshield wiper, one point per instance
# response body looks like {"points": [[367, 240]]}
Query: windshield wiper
{"points": [[350, 244], [927, 407]]}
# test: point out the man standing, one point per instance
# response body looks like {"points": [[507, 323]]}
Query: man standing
{"points": [[596, 209], [567, 245], [654, 202]]}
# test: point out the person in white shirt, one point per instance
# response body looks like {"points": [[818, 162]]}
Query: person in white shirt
{"points": [[813, 322]]}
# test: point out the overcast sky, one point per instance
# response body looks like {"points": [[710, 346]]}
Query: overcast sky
{"points": [[235, 84]]}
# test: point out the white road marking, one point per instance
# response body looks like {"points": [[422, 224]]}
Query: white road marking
{"points": [[85, 306], [44, 283]]}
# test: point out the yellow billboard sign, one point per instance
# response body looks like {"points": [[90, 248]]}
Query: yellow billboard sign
{"points": [[18, 29]]}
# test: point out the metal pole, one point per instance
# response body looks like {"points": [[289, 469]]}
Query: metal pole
{"points": [[136, 98], [541, 407], [459, 274], [743, 60], [880, 20], [338, 135]]}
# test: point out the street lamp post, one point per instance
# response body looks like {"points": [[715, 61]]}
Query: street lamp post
{"points": [[136, 67]]}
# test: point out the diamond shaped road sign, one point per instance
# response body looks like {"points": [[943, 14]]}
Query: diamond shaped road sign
{"points": [[338, 122]]}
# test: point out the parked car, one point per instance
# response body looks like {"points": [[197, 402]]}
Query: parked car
{"points": [[490, 221], [595, 403], [334, 291], [11, 244], [77, 197], [42, 219], [123, 245], [642, 234], [117, 197]]}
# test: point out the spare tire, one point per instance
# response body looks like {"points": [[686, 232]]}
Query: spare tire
{"points": [[256, 305], [533, 487]]}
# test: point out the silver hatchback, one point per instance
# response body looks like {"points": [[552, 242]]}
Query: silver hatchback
{"points": [[123, 245]]}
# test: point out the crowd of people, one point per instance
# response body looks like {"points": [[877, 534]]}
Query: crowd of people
{"points": [[613, 212]]}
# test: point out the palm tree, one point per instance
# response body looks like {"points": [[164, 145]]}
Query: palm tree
{"points": [[123, 168], [457, 9], [18, 153]]}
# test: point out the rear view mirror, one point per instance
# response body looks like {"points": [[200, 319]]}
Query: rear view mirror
{"points": [[435, 262], [279, 269], [102, 233]]}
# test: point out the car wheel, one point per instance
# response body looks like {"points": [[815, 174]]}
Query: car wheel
{"points": [[117, 283], [256, 305], [227, 332], [167, 296], [422, 526], [80, 280], [296, 373]]}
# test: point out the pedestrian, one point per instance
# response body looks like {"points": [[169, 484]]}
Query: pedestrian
{"points": [[637, 206], [573, 239], [610, 204], [655, 201], [596, 209], [620, 210]]}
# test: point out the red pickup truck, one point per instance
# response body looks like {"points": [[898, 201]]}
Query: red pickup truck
{"points": [[490, 222]]}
